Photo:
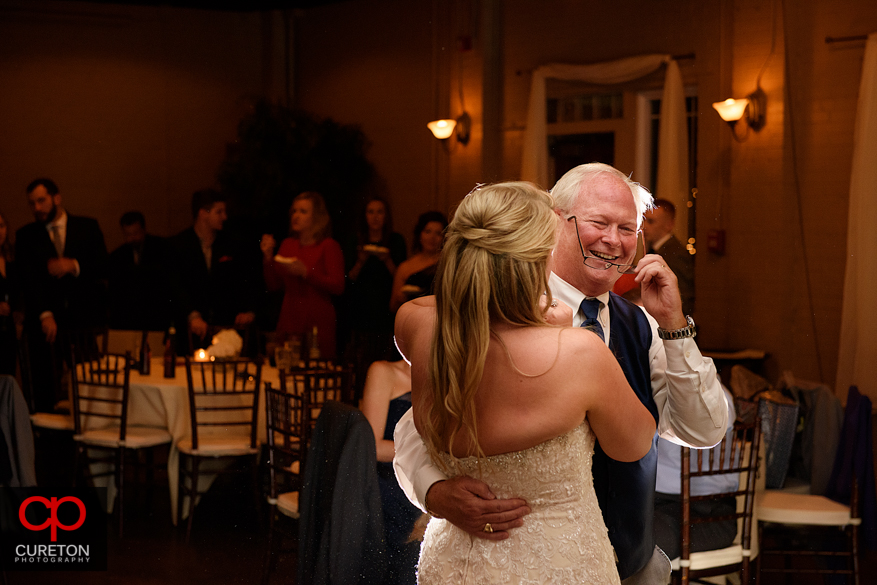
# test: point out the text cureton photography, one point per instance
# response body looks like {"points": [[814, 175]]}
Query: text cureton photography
{"points": [[46, 530]]}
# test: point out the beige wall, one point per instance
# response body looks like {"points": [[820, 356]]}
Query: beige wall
{"points": [[391, 66], [132, 107], [755, 295], [124, 107]]}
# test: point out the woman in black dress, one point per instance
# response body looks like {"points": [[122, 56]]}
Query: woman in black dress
{"points": [[415, 276], [379, 250]]}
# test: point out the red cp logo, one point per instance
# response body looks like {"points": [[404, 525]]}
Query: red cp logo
{"points": [[52, 505]]}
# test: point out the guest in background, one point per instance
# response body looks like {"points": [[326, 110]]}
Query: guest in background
{"points": [[9, 298], [379, 250], [309, 266], [215, 282], [415, 276], [139, 292], [386, 398], [658, 233], [62, 262]]}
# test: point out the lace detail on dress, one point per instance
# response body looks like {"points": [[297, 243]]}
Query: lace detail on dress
{"points": [[564, 538]]}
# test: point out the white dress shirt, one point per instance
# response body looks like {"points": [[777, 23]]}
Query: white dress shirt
{"points": [[686, 389], [59, 224]]}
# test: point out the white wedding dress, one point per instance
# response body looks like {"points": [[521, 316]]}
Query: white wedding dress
{"points": [[563, 540]]}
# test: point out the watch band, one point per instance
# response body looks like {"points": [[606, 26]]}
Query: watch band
{"points": [[688, 331]]}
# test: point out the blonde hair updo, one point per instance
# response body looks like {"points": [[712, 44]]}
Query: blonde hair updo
{"points": [[493, 268]]}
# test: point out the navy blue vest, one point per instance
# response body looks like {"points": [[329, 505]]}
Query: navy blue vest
{"points": [[626, 491]]}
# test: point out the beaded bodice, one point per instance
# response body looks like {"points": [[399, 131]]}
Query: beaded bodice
{"points": [[563, 540]]}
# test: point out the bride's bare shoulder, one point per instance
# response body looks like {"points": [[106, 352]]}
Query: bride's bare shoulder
{"points": [[578, 345]]}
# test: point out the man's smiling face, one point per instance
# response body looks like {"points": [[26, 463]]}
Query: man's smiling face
{"points": [[606, 215]]}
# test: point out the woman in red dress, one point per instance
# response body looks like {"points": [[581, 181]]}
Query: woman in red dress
{"points": [[310, 268]]}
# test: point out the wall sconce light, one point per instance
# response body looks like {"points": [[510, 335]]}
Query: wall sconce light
{"points": [[443, 129], [753, 109]]}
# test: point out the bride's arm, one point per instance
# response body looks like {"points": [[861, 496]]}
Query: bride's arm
{"points": [[465, 502], [622, 423]]}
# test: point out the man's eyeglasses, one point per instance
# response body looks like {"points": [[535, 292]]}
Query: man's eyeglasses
{"points": [[600, 263]]}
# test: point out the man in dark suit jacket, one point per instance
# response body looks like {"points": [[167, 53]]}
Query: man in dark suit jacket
{"points": [[658, 234], [62, 258], [138, 278], [216, 282]]}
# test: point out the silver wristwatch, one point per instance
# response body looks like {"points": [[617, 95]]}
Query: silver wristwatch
{"points": [[687, 331]]}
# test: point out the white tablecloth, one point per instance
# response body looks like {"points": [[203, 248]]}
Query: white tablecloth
{"points": [[156, 401]]}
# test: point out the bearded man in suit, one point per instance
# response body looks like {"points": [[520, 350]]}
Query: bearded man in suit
{"points": [[62, 259]]}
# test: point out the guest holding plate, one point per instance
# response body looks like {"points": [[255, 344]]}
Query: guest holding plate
{"points": [[309, 266], [372, 264], [415, 276]]}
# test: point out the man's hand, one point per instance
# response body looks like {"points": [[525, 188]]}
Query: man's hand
{"points": [[468, 504], [50, 328], [198, 326], [243, 320], [58, 267], [660, 292]]}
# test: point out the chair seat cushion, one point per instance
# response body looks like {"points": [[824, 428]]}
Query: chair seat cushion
{"points": [[135, 437], [288, 504], [712, 558], [217, 446], [785, 508], [51, 420]]}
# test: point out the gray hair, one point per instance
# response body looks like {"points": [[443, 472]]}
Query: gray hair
{"points": [[568, 188]]}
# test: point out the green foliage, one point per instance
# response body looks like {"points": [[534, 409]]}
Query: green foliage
{"points": [[280, 152]]}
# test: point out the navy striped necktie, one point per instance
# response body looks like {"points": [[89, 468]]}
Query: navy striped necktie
{"points": [[591, 308]]}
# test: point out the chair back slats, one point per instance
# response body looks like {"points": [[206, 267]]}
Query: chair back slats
{"points": [[737, 454], [101, 385], [285, 425], [228, 394], [316, 387]]}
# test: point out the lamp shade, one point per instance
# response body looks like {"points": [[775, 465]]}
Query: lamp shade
{"points": [[442, 129], [731, 110]]}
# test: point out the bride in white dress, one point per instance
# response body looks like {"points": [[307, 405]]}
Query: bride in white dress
{"points": [[502, 393]]}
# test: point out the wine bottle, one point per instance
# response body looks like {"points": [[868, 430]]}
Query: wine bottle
{"points": [[145, 355], [170, 355], [314, 350]]}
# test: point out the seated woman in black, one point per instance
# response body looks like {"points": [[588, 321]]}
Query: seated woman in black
{"points": [[387, 397]]}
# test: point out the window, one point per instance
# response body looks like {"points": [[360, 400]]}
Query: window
{"points": [[619, 128]]}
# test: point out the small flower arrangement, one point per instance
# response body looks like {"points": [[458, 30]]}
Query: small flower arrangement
{"points": [[226, 344]]}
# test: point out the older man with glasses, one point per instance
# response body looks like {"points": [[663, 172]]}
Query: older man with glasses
{"points": [[601, 213]]}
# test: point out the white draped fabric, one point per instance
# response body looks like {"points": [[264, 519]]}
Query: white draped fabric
{"points": [[534, 164], [673, 149], [857, 358]]}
